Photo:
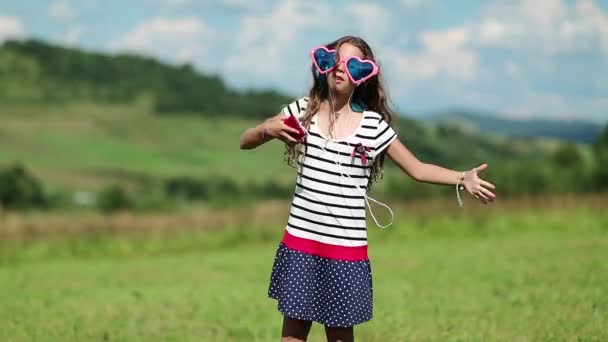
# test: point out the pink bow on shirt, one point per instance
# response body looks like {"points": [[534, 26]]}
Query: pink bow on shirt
{"points": [[362, 150]]}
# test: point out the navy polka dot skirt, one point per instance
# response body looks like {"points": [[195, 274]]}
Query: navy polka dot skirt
{"points": [[332, 292]]}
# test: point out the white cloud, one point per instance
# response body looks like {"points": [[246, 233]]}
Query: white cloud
{"points": [[289, 19], [242, 4], [415, 4], [375, 20], [147, 33], [73, 36], [62, 10], [175, 2], [543, 15], [592, 21], [512, 69], [238, 5], [11, 27], [492, 31], [441, 41], [546, 26], [177, 39], [548, 105], [265, 38], [444, 53]]}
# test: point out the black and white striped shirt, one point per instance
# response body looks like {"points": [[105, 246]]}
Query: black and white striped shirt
{"points": [[328, 205]]}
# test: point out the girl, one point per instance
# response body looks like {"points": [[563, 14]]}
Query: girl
{"points": [[321, 271]]}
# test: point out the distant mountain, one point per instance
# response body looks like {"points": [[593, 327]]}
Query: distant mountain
{"points": [[573, 131], [36, 72]]}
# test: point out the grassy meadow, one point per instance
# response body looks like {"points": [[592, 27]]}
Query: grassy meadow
{"points": [[526, 269], [85, 146]]}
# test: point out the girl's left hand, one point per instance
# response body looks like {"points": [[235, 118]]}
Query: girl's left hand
{"points": [[475, 185]]}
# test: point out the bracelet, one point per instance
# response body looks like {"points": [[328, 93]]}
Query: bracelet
{"points": [[460, 180]]}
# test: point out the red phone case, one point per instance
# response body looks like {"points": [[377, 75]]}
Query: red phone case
{"points": [[293, 122]]}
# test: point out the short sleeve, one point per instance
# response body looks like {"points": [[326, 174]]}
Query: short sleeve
{"points": [[385, 135], [297, 108]]}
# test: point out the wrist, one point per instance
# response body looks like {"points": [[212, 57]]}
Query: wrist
{"points": [[461, 178], [459, 186], [262, 132]]}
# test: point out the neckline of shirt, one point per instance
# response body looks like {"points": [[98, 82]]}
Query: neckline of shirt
{"points": [[320, 132]]}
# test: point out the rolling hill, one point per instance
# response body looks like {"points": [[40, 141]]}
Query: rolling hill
{"points": [[572, 130], [81, 120], [37, 72]]}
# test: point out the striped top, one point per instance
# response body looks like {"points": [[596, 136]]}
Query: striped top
{"points": [[327, 215]]}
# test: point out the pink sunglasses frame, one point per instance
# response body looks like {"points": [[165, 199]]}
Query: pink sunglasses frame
{"points": [[374, 72]]}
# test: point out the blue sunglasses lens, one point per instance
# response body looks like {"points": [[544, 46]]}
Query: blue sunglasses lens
{"points": [[325, 60], [359, 70]]}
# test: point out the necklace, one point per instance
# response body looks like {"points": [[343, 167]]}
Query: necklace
{"points": [[333, 124]]}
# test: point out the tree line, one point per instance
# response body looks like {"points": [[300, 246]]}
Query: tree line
{"points": [[34, 71], [565, 170]]}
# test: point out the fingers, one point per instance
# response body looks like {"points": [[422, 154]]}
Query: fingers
{"points": [[277, 117], [485, 194], [290, 129], [284, 127], [481, 197], [288, 138], [487, 184], [481, 167], [488, 194]]}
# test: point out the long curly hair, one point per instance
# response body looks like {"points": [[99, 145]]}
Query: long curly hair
{"points": [[370, 95]]}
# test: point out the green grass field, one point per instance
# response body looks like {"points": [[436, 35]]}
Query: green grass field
{"points": [[523, 273], [82, 146]]}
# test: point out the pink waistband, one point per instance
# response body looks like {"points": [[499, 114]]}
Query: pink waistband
{"points": [[325, 250]]}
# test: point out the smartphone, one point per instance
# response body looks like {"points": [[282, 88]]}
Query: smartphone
{"points": [[293, 122]]}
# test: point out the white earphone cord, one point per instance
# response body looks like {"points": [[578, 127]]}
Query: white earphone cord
{"points": [[365, 196]]}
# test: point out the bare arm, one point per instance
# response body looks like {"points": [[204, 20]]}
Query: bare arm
{"points": [[254, 137], [275, 128], [418, 170], [430, 173]]}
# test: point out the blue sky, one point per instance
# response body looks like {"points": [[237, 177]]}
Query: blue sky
{"points": [[518, 58]]}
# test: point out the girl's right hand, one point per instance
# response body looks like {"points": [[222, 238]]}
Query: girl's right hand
{"points": [[276, 128]]}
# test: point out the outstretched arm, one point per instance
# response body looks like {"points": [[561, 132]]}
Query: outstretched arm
{"points": [[430, 173]]}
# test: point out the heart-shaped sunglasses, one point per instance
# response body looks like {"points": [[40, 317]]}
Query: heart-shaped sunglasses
{"points": [[358, 70]]}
